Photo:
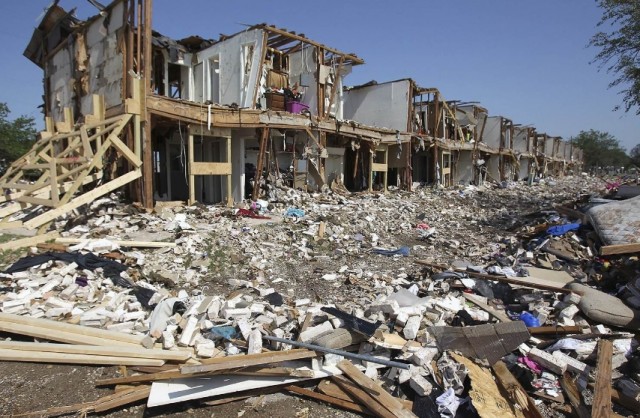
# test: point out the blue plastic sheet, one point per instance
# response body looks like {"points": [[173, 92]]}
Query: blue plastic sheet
{"points": [[562, 229], [296, 213], [403, 251]]}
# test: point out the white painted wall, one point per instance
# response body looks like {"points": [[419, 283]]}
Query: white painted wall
{"points": [[464, 171], [238, 137], [382, 105], [491, 135], [59, 69], [231, 54], [548, 147], [520, 140], [302, 69]]}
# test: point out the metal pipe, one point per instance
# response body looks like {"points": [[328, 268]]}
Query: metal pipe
{"points": [[342, 353]]}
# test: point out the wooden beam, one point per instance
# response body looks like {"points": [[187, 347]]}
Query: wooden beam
{"points": [[134, 244], [601, 406], [61, 336], [192, 177], [83, 199], [260, 163], [365, 399], [573, 394], [232, 362], [53, 327], [66, 358], [499, 315], [515, 391], [620, 249], [382, 396], [349, 406], [210, 169], [29, 241]]}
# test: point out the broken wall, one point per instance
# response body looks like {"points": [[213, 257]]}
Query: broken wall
{"points": [[235, 73], [492, 132], [465, 168], [381, 105], [520, 140], [90, 63], [302, 70]]}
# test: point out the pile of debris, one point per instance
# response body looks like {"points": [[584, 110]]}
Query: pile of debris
{"points": [[465, 302]]}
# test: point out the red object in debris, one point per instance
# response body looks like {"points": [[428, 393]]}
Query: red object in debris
{"points": [[422, 226], [250, 214]]}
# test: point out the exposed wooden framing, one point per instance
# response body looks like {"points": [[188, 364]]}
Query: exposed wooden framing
{"points": [[260, 163], [265, 39], [190, 159], [83, 199], [334, 88], [272, 29], [601, 406]]}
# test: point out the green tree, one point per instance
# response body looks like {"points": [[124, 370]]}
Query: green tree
{"points": [[619, 43], [16, 137], [600, 149], [634, 155]]}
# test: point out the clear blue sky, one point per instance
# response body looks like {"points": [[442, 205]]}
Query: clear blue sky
{"points": [[527, 61]]}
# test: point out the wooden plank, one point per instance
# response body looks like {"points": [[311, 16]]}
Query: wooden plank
{"points": [[83, 199], [365, 399], [29, 241], [620, 249], [66, 358], [331, 389], [141, 378], [530, 282], [61, 336], [210, 169], [54, 326], [501, 316], [516, 392], [555, 330], [10, 224], [125, 151], [140, 244], [572, 392], [231, 362], [382, 396], [349, 406], [115, 351], [122, 398], [192, 178], [602, 394]]}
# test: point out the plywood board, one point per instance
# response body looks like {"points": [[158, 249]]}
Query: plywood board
{"points": [[181, 390]]}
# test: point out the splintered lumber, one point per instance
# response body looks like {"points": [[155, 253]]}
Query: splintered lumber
{"points": [[29, 241], [572, 392], [121, 398], [141, 244], [382, 396], [65, 358], [620, 249], [501, 316], [530, 282], [516, 392], [365, 399], [555, 330], [602, 394], [118, 351], [349, 406], [141, 378], [54, 327], [234, 362]]}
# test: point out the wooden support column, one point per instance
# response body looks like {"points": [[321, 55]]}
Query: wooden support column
{"points": [[260, 163], [371, 159], [320, 83], [229, 180], [147, 150], [192, 177]]}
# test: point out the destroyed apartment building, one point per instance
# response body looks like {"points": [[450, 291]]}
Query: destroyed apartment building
{"points": [[234, 225]]}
